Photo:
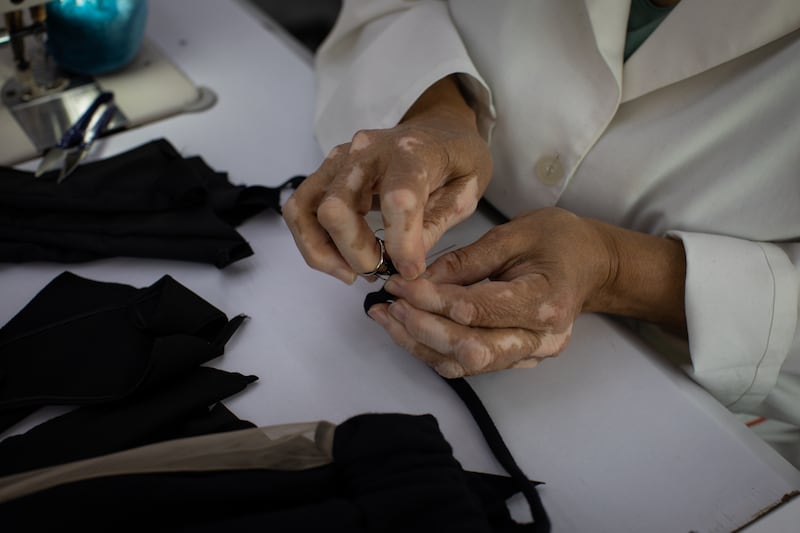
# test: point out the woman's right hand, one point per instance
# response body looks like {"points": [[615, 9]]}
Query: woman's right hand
{"points": [[425, 175]]}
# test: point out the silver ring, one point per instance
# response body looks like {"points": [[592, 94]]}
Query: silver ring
{"points": [[381, 267]]}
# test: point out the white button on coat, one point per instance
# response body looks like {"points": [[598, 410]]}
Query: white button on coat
{"points": [[549, 169]]}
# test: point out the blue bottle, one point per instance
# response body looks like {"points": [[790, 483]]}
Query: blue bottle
{"points": [[91, 37]]}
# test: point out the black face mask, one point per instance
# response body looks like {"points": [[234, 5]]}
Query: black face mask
{"points": [[130, 357], [147, 202]]}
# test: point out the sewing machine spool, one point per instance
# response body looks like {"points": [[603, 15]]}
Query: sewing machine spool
{"points": [[45, 102], [40, 103]]}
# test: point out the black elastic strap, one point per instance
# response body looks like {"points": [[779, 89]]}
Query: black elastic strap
{"points": [[501, 451], [490, 432]]}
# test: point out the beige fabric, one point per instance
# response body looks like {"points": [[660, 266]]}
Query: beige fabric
{"points": [[282, 447]]}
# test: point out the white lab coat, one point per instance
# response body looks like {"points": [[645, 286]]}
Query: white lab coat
{"points": [[697, 135]]}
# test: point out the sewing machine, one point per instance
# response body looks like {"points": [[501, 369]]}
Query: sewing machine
{"points": [[40, 98]]}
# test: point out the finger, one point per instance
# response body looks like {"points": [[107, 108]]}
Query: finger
{"points": [[474, 262], [311, 239], [520, 303], [342, 213], [403, 195], [447, 206], [444, 366], [530, 362], [476, 350]]}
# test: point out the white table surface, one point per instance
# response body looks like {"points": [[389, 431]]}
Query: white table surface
{"points": [[623, 442]]}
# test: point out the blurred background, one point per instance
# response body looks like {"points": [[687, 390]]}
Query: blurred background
{"points": [[309, 21]]}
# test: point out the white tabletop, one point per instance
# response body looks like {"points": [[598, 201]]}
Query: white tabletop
{"points": [[623, 441]]}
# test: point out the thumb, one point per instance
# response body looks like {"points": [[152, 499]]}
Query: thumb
{"points": [[468, 265]]}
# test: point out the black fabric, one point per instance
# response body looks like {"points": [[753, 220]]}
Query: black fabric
{"points": [[147, 202], [203, 420], [501, 452], [381, 296], [490, 432], [81, 342], [390, 473], [176, 409]]}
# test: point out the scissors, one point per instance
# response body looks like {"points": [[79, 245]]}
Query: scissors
{"points": [[78, 139]]}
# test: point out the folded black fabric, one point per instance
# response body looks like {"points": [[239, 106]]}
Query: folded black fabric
{"points": [[177, 409], [83, 342], [390, 473], [147, 202]]}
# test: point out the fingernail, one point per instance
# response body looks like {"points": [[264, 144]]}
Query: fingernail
{"points": [[410, 270], [345, 275], [526, 363], [378, 314], [393, 284], [449, 369], [399, 311]]}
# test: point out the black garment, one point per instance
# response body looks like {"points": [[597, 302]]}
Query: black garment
{"points": [[490, 432], [390, 473], [83, 342], [176, 409], [146, 202]]}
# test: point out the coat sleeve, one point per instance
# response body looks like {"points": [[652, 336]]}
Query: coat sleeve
{"points": [[380, 57], [742, 312]]}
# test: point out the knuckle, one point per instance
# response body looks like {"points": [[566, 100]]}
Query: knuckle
{"points": [[361, 139], [473, 355], [400, 200], [463, 312], [551, 316], [558, 343], [499, 233], [291, 210], [338, 150], [332, 212], [454, 261]]}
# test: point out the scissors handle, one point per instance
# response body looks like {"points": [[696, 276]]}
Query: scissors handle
{"points": [[75, 134], [100, 126]]}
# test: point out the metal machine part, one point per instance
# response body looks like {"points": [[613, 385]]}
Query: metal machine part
{"points": [[38, 103], [22, 18], [43, 99], [47, 117]]}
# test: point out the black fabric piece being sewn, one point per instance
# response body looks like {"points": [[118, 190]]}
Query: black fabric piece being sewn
{"points": [[146, 202], [179, 408], [84, 342], [490, 432], [381, 296], [390, 473]]}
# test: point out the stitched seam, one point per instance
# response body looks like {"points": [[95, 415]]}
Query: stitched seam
{"points": [[74, 318]]}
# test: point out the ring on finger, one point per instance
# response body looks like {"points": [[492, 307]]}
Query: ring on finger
{"points": [[384, 266]]}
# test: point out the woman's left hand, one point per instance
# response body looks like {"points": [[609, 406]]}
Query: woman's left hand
{"points": [[510, 299]]}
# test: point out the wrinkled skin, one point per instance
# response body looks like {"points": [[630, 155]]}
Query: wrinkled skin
{"points": [[425, 175], [508, 300], [542, 269]]}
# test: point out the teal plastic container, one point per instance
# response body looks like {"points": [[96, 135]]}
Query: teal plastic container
{"points": [[95, 36]]}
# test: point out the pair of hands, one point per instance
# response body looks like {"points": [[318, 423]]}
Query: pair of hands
{"points": [[508, 300]]}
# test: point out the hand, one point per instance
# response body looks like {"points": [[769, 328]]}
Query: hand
{"points": [[510, 299], [428, 174]]}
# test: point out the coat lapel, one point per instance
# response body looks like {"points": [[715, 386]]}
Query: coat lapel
{"points": [[709, 33], [609, 19]]}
